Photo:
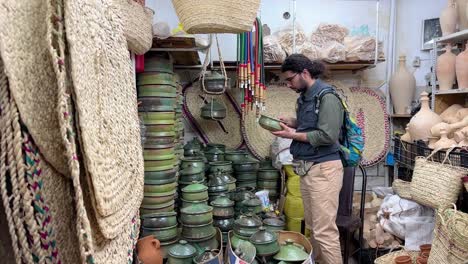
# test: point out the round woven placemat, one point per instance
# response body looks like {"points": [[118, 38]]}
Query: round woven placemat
{"points": [[369, 109], [280, 100], [226, 131]]}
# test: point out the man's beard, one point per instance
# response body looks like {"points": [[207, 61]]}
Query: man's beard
{"points": [[303, 86]]}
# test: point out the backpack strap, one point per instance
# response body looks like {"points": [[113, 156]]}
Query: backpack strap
{"points": [[322, 93]]}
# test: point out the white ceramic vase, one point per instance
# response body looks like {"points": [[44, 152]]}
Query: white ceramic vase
{"points": [[449, 18], [402, 87], [420, 124], [444, 142], [445, 69], [461, 68]]}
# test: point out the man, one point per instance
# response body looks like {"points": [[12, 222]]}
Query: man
{"points": [[315, 149]]}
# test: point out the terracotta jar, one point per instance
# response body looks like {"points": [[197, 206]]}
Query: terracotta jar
{"points": [[402, 87], [403, 260], [444, 142], [449, 18], [449, 115], [406, 137], [420, 125], [149, 251], [461, 68], [462, 7], [446, 69], [425, 248], [421, 260]]}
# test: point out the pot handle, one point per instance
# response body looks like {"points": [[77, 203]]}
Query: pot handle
{"points": [[156, 244]]}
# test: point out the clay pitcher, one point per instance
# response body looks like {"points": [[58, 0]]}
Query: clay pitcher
{"points": [[420, 124], [149, 251], [446, 69], [462, 6], [461, 67], [449, 18], [402, 87]]}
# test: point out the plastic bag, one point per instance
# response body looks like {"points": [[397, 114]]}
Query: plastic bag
{"points": [[161, 30], [382, 192], [280, 154], [310, 51], [333, 52], [272, 50], [396, 213], [326, 33], [360, 48], [285, 37]]}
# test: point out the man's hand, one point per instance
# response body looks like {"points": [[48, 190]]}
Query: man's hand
{"points": [[289, 121], [287, 131]]}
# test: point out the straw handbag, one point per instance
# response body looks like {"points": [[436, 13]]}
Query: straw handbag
{"points": [[435, 184], [209, 16], [138, 25], [402, 188], [450, 243]]}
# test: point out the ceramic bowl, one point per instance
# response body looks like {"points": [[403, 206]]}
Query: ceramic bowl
{"points": [[186, 203], [162, 234], [156, 104], [160, 175], [158, 198], [270, 123], [151, 78], [147, 209], [150, 187], [198, 231], [159, 220]]}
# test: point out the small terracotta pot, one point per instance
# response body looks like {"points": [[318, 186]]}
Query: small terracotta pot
{"points": [[425, 248], [149, 250], [424, 254], [403, 260], [421, 260]]}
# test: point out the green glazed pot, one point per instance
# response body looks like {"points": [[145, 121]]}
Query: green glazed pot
{"points": [[216, 145], [209, 242], [235, 155], [160, 128], [223, 166], [158, 198], [236, 240], [146, 120], [149, 90], [270, 123], [167, 207], [268, 174], [246, 176], [158, 62], [160, 175], [159, 142], [196, 214], [246, 166], [159, 220], [224, 225], [247, 225], [162, 234], [147, 78], [161, 134], [186, 203], [291, 253], [265, 242], [156, 104], [195, 192], [149, 117], [198, 231], [192, 177], [166, 246], [267, 184], [274, 224], [181, 253], [154, 165], [158, 188], [185, 184], [159, 154], [246, 184]]}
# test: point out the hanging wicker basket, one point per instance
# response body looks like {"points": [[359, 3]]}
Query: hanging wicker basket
{"points": [[209, 16]]}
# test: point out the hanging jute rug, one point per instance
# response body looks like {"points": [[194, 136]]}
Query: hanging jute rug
{"points": [[226, 131], [106, 105], [280, 101]]}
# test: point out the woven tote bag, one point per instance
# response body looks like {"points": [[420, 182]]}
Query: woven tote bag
{"points": [[138, 25], [436, 184], [450, 243], [209, 16]]}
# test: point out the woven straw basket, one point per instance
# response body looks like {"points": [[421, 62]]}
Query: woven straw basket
{"points": [[450, 241], [390, 257], [402, 188], [209, 16], [435, 184], [138, 26]]}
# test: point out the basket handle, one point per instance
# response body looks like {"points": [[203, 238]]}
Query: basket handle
{"points": [[447, 153], [205, 65]]}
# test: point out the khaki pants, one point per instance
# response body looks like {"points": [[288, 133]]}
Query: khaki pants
{"points": [[320, 190]]}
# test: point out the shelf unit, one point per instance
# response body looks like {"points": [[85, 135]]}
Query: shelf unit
{"points": [[443, 99]]}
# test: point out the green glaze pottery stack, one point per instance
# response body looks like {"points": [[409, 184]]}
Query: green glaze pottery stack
{"points": [[268, 179], [160, 112]]}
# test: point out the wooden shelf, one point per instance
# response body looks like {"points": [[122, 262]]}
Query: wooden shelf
{"points": [[401, 116], [452, 91]]}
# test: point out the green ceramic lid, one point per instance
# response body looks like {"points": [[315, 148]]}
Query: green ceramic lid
{"points": [[222, 201], [194, 188], [252, 202], [248, 221], [213, 105], [291, 252], [274, 222], [156, 215], [263, 236], [199, 208], [213, 151], [182, 250]]}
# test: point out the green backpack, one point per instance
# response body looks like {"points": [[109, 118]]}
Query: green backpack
{"points": [[351, 139]]}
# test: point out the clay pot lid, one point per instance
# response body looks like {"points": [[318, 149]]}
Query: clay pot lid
{"points": [[195, 188], [248, 220], [222, 201], [196, 209], [182, 250], [291, 252], [252, 202], [262, 236], [274, 222]]}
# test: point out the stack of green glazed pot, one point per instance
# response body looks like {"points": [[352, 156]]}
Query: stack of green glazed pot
{"points": [[157, 97]]}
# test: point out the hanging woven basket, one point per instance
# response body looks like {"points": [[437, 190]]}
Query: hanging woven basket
{"points": [[209, 16]]}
